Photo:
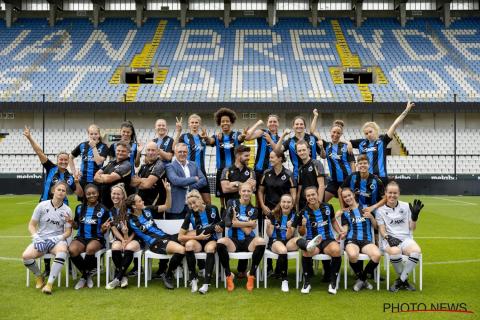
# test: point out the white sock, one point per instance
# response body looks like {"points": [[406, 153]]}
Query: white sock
{"points": [[57, 266], [411, 263], [397, 264], [32, 266]]}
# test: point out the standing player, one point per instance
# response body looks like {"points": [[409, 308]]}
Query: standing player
{"points": [[116, 171], [266, 141], [375, 145], [299, 125], [396, 222], [196, 148], [279, 229], [93, 153], [341, 161], [225, 143], [127, 135], [310, 174], [124, 245], [50, 226], [241, 219], [359, 238], [142, 223], [163, 141], [54, 172], [92, 220], [368, 188], [206, 223], [319, 220]]}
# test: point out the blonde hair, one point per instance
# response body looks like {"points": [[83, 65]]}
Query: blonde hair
{"points": [[194, 115], [121, 186], [372, 125], [194, 194], [338, 123]]}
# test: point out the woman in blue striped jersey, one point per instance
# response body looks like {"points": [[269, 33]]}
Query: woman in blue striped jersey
{"points": [[359, 238]]}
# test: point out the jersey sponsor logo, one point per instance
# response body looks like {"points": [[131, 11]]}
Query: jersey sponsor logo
{"points": [[370, 149], [364, 194], [55, 222], [334, 156], [358, 219], [144, 227], [197, 148], [88, 220], [280, 226], [224, 145], [397, 221]]}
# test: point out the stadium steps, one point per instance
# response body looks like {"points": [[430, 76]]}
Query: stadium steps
{"points": [[144, 60], [403, 148], [381, 78], [251, 160], [337, 75], [116, 76], [160, 75]]}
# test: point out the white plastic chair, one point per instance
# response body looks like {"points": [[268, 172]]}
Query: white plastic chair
{"points": [[361, 257], [38, 261], [242, 256], [169, 227], [136, 255], [386, 261], [271, 255]]}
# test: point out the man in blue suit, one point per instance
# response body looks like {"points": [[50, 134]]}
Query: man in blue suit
{"points": [[184, 176]]}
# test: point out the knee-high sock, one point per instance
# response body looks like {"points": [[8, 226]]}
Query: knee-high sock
{"points": [[307, 265], [47, 264], [326, 267], [242, 265], [125, 263], [302, 244], [209, 264], [224, 258], [57, 266], [369, 268], [117, 261], [79, 262], [175, 261], [411, 263], [162, 266], [282, 265], [358, 269], [90, 263], [32, 266], [397, 264], [201, 264], [256, 258], [192, 264], [335, 268]]}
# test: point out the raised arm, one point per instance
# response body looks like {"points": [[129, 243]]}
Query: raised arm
{"points": [[208, 140], [313, 125], [43, 158], [279, 147], [178, 131], [399, 119], [254, 132]]}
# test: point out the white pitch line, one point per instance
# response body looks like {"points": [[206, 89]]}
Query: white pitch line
{"points": [[458, 201], [10, 259], [26, 202], [14, 236], [453, 262]]}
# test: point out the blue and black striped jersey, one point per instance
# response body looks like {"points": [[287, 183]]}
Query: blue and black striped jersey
{"points": [[376, 152], [201, 220], [88, 166], [338, 159], [359, 227], [280, 227], [290, 145], [196, 149], [90, 219], [145, 227], [319, 221], [243, 213], [52, 176], [367, 191], [262, 159]]}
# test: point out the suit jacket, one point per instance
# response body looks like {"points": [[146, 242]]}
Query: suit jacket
{"points": [[181, 184]]}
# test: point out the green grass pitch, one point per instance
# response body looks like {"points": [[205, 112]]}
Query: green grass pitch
{"points": [[448, 232]]}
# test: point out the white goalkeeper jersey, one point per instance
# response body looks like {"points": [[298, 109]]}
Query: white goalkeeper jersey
{"points": [[396, 220], [51, 220]]}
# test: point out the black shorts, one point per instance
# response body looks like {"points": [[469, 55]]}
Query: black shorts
{"points": [[271, 241], [324, 244], [86, 241], [242, 245], [218, 185], [359, 243], [160, 246], [332, 187], [205, 189], [203, 243]]}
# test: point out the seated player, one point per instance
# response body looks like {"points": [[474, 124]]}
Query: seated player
{"points": [[359, 239], [396, 222], [142, 223], [50, 226], [279, 227], [206, 223], [124, 244], [92, 220], [241, 219], [319, 220]]}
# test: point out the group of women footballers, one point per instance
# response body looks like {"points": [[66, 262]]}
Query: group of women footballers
{"points": [[294, 205]]}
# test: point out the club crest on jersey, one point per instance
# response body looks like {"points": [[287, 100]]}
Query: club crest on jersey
{"points": [[99, 214], [372, 187], [250, 212], [213, 214], [148, 214], [310, 169], [283, 177], [311, 143], [247, 173]]}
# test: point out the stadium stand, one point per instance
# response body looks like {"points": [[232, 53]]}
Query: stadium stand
{"points": [[247, 62]]}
